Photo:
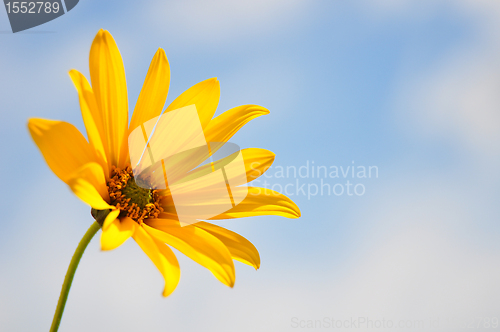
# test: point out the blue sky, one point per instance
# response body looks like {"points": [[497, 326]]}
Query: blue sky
{"points": [[408, 86]]}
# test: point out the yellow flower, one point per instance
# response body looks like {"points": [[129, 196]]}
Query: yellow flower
{"points": [[98, 170]]}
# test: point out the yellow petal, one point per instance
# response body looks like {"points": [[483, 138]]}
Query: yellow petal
{"points": [[205, 95], [262, 202], [223, 127], [240, 248], [154, 91], [257, 161], [220, 129], [91, 116], [93, 174], [257, 202], [197, 244], [110, 218], [107, 75], [117, 232], [88, 184], [162, 256], [88, 193], [62, 145]]}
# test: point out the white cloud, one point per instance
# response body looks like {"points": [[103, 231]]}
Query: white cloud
{"points": [[462, 100], [457, 98], [222, 20]]}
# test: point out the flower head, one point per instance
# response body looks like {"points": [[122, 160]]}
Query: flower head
{"points": [[100, 173]]}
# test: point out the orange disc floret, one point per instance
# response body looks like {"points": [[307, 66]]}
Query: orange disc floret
{"points": [[135, 202]]}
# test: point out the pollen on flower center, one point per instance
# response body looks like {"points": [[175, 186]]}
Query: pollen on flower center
{"points": [[133, 201]]}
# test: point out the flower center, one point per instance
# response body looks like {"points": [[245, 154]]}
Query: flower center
{"points": [[133, 201]]}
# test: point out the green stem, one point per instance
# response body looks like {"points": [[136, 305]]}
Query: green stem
{"points": [[71, 273]]}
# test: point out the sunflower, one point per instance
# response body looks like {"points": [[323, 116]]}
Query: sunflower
{"points": [[99, 172]]}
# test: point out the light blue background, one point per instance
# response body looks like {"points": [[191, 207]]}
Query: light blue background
{"points": [[412, 87]]}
